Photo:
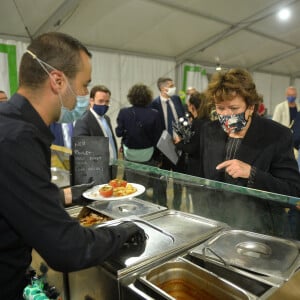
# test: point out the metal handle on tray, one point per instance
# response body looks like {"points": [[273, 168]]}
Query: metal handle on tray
{"points": [[205, 249]]}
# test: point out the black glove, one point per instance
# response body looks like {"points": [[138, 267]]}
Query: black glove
{"points": [[133, 240], [77, 191], [131, 234]]}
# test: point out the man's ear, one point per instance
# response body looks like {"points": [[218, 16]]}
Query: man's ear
{"points": [[56, 80]]}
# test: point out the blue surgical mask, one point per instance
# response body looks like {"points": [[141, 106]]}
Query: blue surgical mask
{"points": [[291, 99], [82, 101], [67, 116], [100, 109], [232, 123]]}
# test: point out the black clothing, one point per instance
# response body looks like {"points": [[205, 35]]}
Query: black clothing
{"points": [[293, 113], [232, 147], [31, 213], [267, 147], [88, 125], [193, 148], [139, 127]]}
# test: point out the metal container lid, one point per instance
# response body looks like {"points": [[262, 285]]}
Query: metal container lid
{"points": [[262, 254], [126, 207], [186, 228], [168, 233], [158, 243]]}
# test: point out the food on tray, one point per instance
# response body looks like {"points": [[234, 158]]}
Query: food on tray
{"points": [[106, 191], [117, 183], [92, 219]]}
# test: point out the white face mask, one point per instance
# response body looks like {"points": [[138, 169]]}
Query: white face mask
{"points": [[171, 91]]}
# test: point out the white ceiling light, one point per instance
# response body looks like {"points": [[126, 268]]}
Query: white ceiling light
{"points": [[284, 14]]}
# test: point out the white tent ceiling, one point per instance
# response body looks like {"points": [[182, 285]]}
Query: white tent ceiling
{"points": [[244, 33]]}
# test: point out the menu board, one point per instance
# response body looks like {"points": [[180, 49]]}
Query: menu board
{"points": [[90, 160]]}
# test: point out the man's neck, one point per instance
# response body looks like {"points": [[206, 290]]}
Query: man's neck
{"points": [[164, 96], [292, 104], [36, 99]]}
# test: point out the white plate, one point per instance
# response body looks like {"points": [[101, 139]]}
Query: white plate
{"points": [[93, 193]]}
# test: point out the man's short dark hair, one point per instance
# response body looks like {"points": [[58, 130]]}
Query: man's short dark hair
{"points": [[99, 88], [59, 50], [161, 82]]}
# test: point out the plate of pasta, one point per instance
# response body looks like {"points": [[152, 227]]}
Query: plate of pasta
{"points": [[108, 192]]}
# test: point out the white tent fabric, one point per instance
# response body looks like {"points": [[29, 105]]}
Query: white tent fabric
{"points": [[116, 71], [120, 71]]}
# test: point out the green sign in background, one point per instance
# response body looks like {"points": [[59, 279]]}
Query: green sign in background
{"points": [[10, 50]]}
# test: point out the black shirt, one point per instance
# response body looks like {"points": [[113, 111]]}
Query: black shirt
{"points": [[31, 214], [232, 147]]}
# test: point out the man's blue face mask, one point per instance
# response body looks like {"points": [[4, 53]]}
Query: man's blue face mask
{"points": [[291, 99], [100, 109]]}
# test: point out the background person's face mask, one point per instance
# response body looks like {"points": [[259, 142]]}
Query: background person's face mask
{"points": [[232, 123], [100, 109], [171, 91], [291, 99]]}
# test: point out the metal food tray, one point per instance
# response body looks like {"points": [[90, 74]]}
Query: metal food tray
{"points": [[159, 243], [126, 207], [188, 229], [266, 258], [180, 279]]}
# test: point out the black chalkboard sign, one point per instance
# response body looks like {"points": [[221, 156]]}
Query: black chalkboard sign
{"points": [[90, 159]]}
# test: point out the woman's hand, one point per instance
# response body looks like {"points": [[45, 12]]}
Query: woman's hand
{"points": [[176, 139], [235, 168]]}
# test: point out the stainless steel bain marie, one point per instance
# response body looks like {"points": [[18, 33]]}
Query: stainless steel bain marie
{"points": [[266, 258], [168, 233], [164, 241], [181, 279], [188, 228], [232, 264], [126, 207]]}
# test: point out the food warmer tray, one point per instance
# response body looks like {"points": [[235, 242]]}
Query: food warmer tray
{"points": [[126, 207], [265, 258], [163, 241]]}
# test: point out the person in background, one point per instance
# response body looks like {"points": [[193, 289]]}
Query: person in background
{"points": [[286, 111], [54, 69], [170, 108], [241, 148], [95, 122], [63, 133], [262, 111], [136, 125], [200, 111], [190, 91], [140, 128], [3, 96]]}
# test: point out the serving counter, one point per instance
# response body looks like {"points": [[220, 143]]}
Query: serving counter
{"points": [[185, 253]]}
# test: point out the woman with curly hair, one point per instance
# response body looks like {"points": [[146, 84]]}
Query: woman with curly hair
{"points": [[244, 149], [139, 125]]}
